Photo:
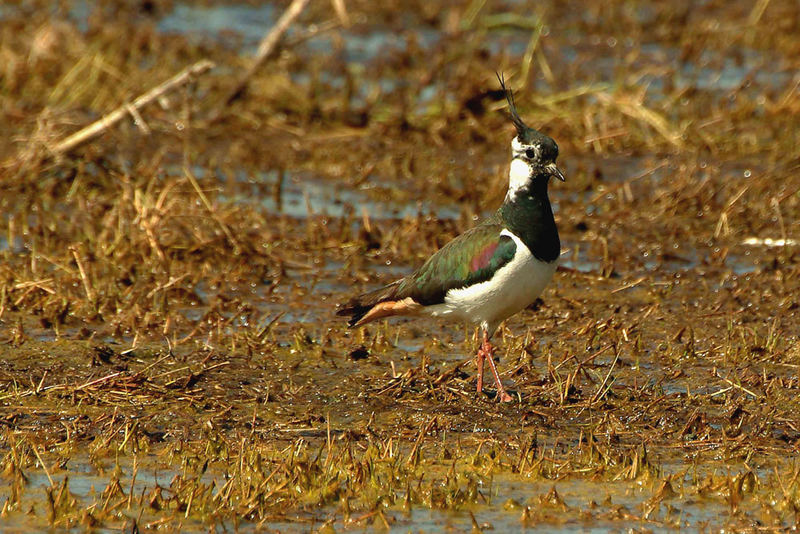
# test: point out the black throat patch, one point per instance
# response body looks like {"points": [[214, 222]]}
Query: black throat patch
{"points": [[530, 217]]}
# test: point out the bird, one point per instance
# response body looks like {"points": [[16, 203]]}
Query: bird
{"points": [[493, 270]]}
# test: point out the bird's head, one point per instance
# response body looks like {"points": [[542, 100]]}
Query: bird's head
{"points": [[533, 154]]}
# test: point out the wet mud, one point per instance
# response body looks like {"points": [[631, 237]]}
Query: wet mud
{"points": [[170, 356]]}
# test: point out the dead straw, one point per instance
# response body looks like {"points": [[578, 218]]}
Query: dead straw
{"points": [[266, 47], [98, 127]]}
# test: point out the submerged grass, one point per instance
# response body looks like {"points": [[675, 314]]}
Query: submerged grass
{"points": [[170, 357]]}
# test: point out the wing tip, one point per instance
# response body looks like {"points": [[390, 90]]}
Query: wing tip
{"points": [[360, 307], [353, 312], [360, 315]]}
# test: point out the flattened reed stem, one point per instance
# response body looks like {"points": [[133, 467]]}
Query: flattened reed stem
{"points": [[95, 129]]}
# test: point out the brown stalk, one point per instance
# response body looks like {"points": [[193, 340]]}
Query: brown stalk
{"points": [[44, 466], [266, 47], [87, 285], [420, 437], [98, 127]]}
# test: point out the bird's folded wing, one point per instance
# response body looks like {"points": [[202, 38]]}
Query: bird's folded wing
{"points": [[471, 258]]}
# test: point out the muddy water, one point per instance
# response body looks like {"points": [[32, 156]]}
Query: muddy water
{"points": [[506, 503]]}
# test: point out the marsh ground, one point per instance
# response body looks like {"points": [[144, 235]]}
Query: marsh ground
{"points": [[169, 354]]}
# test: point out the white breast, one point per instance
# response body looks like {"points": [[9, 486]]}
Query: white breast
{"points": [[513, 287]]}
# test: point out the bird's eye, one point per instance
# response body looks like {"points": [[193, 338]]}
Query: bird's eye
{"points": [[530, 153]]}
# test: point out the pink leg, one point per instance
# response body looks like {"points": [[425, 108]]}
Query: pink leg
{"points": [[480, 358], [485, 352]]}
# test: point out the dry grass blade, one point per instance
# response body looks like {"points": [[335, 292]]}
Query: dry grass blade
{"points": [[97, 128], [635, 108], [266, 47]]}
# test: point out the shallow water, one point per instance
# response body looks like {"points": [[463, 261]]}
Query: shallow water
{"points": [[580, 505], [201, 23]]}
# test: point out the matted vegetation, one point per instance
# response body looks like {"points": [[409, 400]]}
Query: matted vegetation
{"points": [[169, 354]]}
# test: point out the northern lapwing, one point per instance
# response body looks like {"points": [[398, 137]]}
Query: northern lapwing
{"points": [[492, 271]]}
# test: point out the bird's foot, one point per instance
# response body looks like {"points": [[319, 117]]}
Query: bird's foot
{"points": [[503, 396]]}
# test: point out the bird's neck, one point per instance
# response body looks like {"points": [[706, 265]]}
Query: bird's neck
{"points": [[526, 212]]}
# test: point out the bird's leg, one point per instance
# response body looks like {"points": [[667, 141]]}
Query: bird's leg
{"points": [[479, 360], [485, 352]]}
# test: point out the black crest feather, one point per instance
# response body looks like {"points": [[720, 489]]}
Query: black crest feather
{"points": [[512, 105]]}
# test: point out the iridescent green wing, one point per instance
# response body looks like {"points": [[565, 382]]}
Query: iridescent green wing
{"points": [[469, 259]]}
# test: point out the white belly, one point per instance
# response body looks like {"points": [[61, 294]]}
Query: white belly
{"points": [[513, 287]]}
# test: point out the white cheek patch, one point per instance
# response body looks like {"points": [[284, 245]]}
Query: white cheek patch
{"points": [[519, 176]]}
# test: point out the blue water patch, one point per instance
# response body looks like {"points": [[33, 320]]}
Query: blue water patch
{"points": [[17, 247], [361, 47], [79, 11], [251, 22], [303, 195]]}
